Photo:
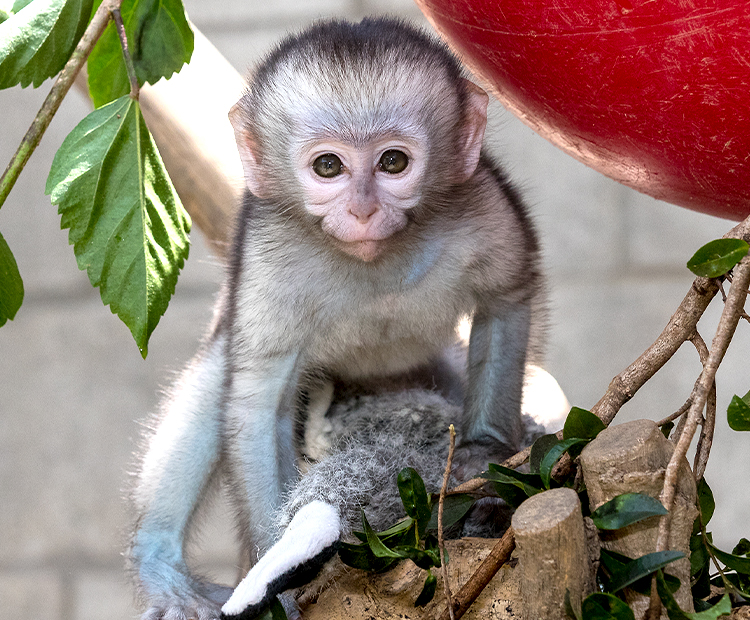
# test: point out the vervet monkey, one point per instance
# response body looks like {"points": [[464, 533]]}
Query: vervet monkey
{"points": [[372, 223]]}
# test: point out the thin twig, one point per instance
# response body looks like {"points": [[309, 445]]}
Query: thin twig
{"points": [[707, 432], [56, 94], [129, 66], [473, 587], [673, 416], [727, 325], [441, 502]]}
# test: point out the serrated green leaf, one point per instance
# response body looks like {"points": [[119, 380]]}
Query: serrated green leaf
{"points": [[454, 509], [414, 497], [38, 38], [717, 257], [641, 567], [723, 607], [554, 454], [738, 413], [160, 42], [601, 606], [11, 284], [625, 510], [127, 225], [428, 591], [582, 424], [539, 449]]}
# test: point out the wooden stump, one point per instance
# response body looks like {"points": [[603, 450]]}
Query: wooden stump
{"points": [[632, 458], [553, 557]]}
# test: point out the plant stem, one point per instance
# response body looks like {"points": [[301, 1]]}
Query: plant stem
{"points": [[441, 502], [727, 325], [129, 66], [57, 93]]}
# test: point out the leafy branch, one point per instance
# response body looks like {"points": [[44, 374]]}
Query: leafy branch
{"points": [[127, 225]]}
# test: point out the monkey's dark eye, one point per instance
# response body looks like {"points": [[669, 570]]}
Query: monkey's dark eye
{"points": [[327, 166], [393, 161]]}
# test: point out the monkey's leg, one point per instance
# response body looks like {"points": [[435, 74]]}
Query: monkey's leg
{"points": [[492, 425], [181, 461], [260, 446]]}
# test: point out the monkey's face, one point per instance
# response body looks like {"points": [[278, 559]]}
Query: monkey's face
{"points": [[362, 192]]}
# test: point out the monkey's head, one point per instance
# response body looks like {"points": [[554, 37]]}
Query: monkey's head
{"points": [[355, 126]]}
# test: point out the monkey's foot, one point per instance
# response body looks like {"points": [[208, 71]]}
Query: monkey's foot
{"points": [[310, 540]]}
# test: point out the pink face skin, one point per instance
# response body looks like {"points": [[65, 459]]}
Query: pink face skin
{"points": [[363, 204]]}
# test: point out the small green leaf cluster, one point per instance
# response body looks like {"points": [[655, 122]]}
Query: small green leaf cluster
{"points": [[717, 257], [411, 538], [734, 574], [128, 228]]}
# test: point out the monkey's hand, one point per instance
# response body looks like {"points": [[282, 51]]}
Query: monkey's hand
{"points": [[310, 540], [202, 603]]}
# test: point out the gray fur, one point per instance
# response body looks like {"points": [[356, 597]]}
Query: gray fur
{"points": [[306, 303]]}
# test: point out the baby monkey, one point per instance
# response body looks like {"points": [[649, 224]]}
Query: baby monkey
{"points": [[372, 223]]}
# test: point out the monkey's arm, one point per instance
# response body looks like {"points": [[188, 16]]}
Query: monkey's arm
{"points": [[497, 358], [260, 450], [177, 470]]}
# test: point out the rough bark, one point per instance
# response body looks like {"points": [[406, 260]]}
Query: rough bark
{"points": [[552, 554], [632, 458]]}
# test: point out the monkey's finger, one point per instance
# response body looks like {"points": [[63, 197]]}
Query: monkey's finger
{"points": [[310, 540]]}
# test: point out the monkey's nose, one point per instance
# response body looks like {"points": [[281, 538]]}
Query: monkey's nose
{"points": [[363, 211]]}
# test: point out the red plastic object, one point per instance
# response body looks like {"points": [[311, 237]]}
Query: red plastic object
{"points": [[653, 93]]}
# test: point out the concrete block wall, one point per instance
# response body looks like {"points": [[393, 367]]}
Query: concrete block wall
{"points": [[74, 392]]}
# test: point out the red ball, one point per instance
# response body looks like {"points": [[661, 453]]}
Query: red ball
{"points": [[653, 93]]}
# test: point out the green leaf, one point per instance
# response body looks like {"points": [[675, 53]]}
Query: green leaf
{"points": [[739, 563], [539, 449], [414, 497], [666, 428], [160, 42], [422, 558], [582, 424], [38, 39], [11, 284], [362, 557], [717, 257], [428, 591], [454, 509], [641, 567], [127, 225], [625, 510], [738, 413], [554, 454], [742, 547], [706, 503], [376, 545], [723, 607], [275, 611], [513, 486], [600, 606], [613, 563]]}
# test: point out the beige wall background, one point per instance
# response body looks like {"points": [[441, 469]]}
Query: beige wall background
{"points": [[74, 391]]}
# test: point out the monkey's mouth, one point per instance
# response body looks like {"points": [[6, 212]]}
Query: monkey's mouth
{"points": [[366, 251]]}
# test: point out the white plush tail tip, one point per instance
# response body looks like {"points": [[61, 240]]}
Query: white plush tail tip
{"points": [[315, 528]]}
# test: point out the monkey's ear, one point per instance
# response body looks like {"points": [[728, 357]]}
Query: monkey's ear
{"points": [[475, 123], [248, 149]]}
